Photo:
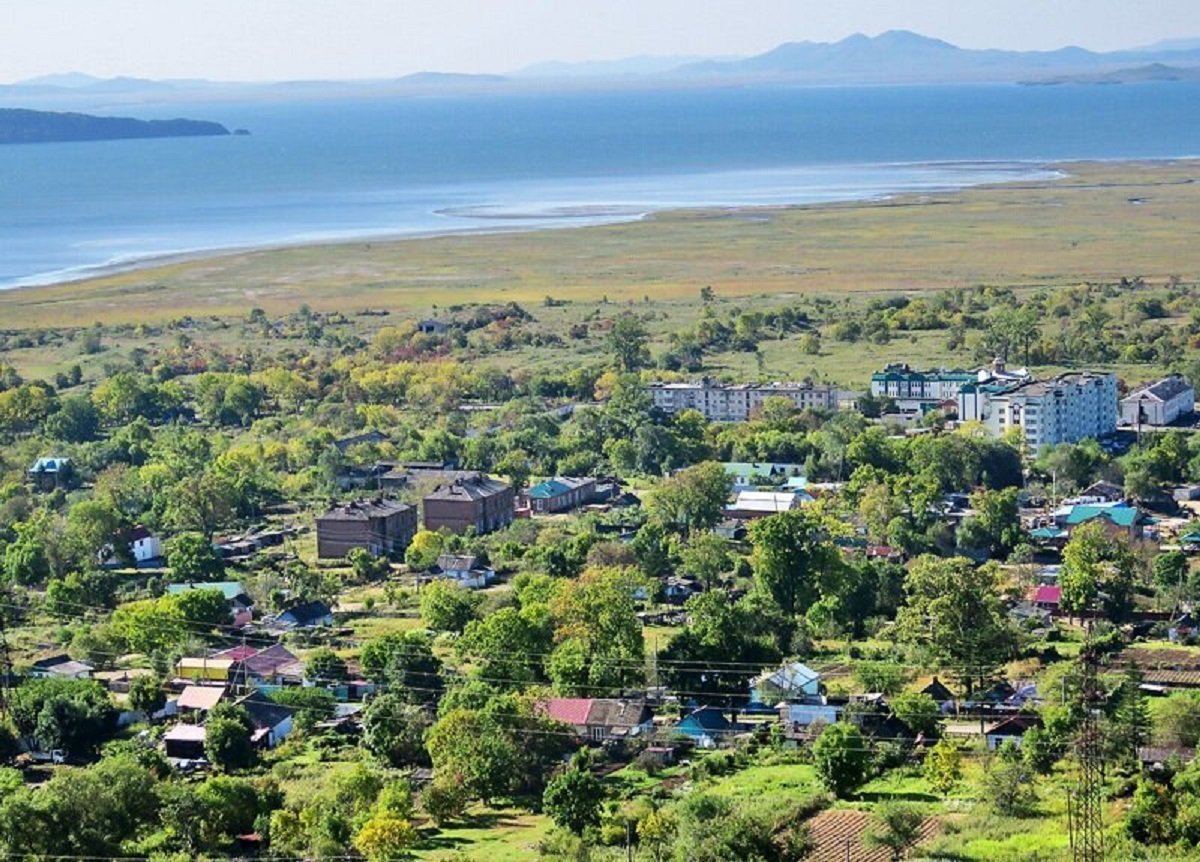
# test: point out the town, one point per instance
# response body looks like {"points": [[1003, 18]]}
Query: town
{"points": [[381, 601]]}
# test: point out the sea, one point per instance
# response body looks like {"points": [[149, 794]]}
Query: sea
{"points": [[329, 170]]}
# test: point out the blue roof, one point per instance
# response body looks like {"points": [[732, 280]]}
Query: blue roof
{"points": [[549, 488], [49, 465], [706, 718], [1122, 516], [230, 589], [1047, 533]]}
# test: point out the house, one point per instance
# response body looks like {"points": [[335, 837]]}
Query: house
{"points": [[750, 475], [1159, 404], [939, 692], [272, 721], [381, 526], [472, 501], [795, 681], [1014, 728], [601, 719], [1160, 757], [61, 666], [206, 669], [307, 615], [185, 742], [275, 665], [732, 529], [1101, 492], [707, 727], [1046, 596], [677, 589], [797, 717], [199, 698], [466, 569], [432, 326], [50, 473], [1118, 517], [759, 504], [560, 494], [241, 606], [144, 546], [366, 437]]}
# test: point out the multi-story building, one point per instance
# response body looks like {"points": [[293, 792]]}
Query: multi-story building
{"points": [[380, 526], [1066, 409], [1158, 404], [470, 501], [917, 391], [719, 402]]}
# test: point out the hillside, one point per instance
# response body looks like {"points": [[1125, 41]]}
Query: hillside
{"points": [[21, 126]]}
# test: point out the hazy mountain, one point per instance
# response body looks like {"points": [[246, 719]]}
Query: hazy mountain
{"points": [[1173, 45], [646, 64], [1136, 75]]}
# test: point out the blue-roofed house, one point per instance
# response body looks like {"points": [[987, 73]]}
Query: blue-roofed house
{"points": [[560, 494], [241, 606], [1119, 517], [795, 681], [50, 473], [707, 727]]}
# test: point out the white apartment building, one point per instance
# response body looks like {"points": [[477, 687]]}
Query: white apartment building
{"points": [[719, 402], [916, 391], [1158, 404], [1066, 409]]}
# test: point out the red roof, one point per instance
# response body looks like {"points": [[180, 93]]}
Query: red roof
{"points": [[138, 532], [569, 710], [1046, 595], [240, 652]]}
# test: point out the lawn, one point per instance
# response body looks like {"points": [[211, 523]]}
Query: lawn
{"points": [[488, 835]]}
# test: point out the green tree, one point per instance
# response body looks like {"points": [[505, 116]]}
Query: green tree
{"points": [[917, 710], [1170, 571], [77, 420], [193, 559], [474, 746], [203, 608], [840, 755], [1096, 562], [311, 704], [424, 550], [627, 342], [651, 548], [1008, 784], [406, 663], [394, 730], [227, 738], [943, 766], [705, 557], [146, 693], [573, 798], [385, 838], [897, 828], [447, 605], [75, 715], [595, 617], [792, 556], [695, 497], [325, 667]]}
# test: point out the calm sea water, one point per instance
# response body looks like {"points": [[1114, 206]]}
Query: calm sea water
{"points": [[336, 169]]}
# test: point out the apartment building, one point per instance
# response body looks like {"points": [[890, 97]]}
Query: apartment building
{"points": [[917, 391], [719, 402], [1065, 409]]}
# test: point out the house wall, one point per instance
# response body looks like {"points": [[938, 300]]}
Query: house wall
{"points": [[485, 514]]}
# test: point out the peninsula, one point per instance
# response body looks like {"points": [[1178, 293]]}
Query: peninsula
{"points": [[23, 126]]}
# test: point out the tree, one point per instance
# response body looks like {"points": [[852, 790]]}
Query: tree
{"points": [[424, 550], [146, 694], [509, 644], [393, 730], [840, 755], [996, 525], [77, 420], [1097, 565], [792, 555], [917, 710], [943, 766], [953, 608], [367, 566], [573, 798], [75, 715], [150, 625], [203, 608], [627, 343], [652, 549], [445, 799], [1008, 784], [1170, 571], [474, 746], [695, 497], [406, 663], [514, 466], [311, 704], [324, 667], [385, 838], [898, 828], [193, 559], [227, 738], [447, 605], [596, 621], [706, 558], [1177, 720]]}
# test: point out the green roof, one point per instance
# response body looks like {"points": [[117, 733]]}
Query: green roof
{"points": [[230, 589], [1191, 538], [1122, 516], [1047, 533], [549, 488]]}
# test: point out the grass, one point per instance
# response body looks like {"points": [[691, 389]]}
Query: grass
{"points": [[1083, 227], [487, 835]]}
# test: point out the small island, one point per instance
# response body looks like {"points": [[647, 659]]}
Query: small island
{"points": [[22, 126]]}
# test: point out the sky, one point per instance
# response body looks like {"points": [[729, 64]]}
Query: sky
{"points": [[309, 39]]}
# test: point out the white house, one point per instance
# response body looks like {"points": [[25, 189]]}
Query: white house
{"points": [[466, 569], [760, 504], [795, 681], [143, 545], [1160, 403]]}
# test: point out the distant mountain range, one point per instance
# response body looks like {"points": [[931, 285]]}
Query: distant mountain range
{"points": [[21, 126], [894, 57]]}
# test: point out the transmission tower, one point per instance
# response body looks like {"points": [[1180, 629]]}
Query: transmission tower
{"points": [[1088, 814]]}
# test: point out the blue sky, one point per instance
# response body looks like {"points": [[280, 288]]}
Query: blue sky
{"points": [[285, 39]]}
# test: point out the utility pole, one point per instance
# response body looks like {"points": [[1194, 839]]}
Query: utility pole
{"points": [[1089, 809], [6, 668]]}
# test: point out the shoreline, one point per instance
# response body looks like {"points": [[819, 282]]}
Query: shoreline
{"points": [[573, 217]]}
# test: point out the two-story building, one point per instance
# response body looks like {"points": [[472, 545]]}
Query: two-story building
{"points": [[1160, 403], [381, 526], [471, 501]]}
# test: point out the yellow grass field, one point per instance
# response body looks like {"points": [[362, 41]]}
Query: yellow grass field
{"points": [[1101, 221]]}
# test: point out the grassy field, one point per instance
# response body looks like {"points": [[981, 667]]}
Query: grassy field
{"points": [[1099, 222]]}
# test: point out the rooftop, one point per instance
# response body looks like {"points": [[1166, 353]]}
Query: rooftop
{"points": [[473, 486], [230, 589], [1161, 390], [364, 510], [203, 697]]}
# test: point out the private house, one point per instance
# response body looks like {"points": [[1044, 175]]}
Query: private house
{"points": [[1046, 596], [1118, 517], [707, 727], [1159, 404], [601, 719], [50, 473], [383, 527], [432, 326], [185, 742], [144, 546], [472, 501], [305, 616], [560, 494], [465, 569], [272, 666], [749, 505], [196, 699], [205, 669], [61, 666], [939, 692], [1014, 728], [241, 606], [751, 475], [1100, 492], [797, 717], [795, 681], [719, 402], [272, 721]]}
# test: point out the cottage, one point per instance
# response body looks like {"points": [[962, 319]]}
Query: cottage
{"points": [[185, 742], [1159, 404], [708, 727], [816, 710], [601, 719], [241, 606], [1011, 728], [307, 615], [560, 494], [465, 569], [144, 546], [275, 665], [272, 721], [1118, 517], [50, 473], [1046, 596], [751, 475], [383, 527], [795, 681], [939, 692], [205, 669], [759, 504], [61, 666], [470, 502], [199, 698]]}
